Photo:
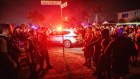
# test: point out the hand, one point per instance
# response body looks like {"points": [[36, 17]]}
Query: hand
{"points": [[22, 50], [14, 64]]}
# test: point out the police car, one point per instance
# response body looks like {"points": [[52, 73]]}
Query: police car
{"points": [[66, 37]]}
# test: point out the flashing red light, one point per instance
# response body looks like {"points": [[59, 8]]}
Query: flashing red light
{"points": [[59, 28]]}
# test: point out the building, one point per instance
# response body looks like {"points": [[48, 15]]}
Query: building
{"points": [[129, 15]]}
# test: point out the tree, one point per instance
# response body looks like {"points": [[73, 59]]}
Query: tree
{"points": [[36, 17], [94, 13]]}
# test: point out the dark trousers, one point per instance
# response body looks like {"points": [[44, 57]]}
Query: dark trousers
{"points": [[44, 56], [33, 71], [103, 69], [8, 73]]}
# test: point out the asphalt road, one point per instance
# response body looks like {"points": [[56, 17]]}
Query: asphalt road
{"points": [[77, 51], [74, 50], [68, 67]]}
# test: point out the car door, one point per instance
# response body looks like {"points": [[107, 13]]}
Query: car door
{"points": [[56, 37]]}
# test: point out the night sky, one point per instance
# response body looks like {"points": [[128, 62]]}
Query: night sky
{"points": [[15, 11]]}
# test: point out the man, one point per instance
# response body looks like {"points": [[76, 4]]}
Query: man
{"points": [[137, 42], [8, 54], [43, 50], [103, 67], [119, 51], [88, 49]]}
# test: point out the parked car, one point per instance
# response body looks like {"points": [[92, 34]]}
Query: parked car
{"points": [[67, 37]]}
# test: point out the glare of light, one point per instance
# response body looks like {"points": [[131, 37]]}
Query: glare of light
{"points": [[66, 18], [59, 28]]}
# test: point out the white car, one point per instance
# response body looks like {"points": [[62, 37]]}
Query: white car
{"points": [[68, 36]]}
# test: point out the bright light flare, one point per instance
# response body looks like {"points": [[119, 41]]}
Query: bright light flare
{"points": [[66, 19], [59, 28]]}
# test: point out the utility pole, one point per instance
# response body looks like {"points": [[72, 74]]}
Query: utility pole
{"points": [[61, 9]]}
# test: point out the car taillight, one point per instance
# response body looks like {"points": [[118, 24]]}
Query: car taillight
{"points": [[76, 37]]}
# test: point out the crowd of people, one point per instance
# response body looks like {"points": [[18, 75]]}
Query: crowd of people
{"points": [[111, 49], [20, 45]]}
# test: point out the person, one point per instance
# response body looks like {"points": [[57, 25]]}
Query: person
{"points": [[134, 55], [97, 46], [25, 56], [137, 43], [131, 34], [43, 50], [118, 53], [33, 54], [103, 66], [88, 49], [9, 54], [95, 43]]}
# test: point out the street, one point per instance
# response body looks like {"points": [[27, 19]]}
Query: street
{"points": [[68, 66], [74, 50], [69, 39]]}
